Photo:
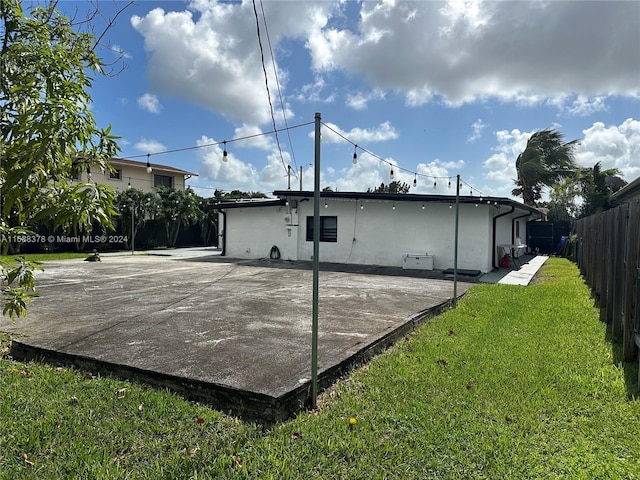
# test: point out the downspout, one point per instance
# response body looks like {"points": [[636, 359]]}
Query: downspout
{"points": [[493, 253], [513, 226], [224, 233]]}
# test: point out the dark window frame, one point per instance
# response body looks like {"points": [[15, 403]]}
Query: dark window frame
{"points": [[328, 228], [159, 180], [115, 175]]}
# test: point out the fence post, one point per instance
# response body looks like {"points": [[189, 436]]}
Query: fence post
{"points": [[632, 220]]}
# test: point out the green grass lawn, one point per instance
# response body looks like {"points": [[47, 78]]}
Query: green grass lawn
{"points": [[42, 257], [516, 382]]}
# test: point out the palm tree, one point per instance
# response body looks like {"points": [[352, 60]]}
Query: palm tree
{"points": [[545, 160]]}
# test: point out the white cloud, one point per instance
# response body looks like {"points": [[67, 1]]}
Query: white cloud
{"points": [[150, 146], [209, 55], [501, 166], [383, 132], [313, 92], [615, 146], [237, 173], [466, 51], [117, 49], [257, 138], [150, 103], [360, 100], [477, 128]]}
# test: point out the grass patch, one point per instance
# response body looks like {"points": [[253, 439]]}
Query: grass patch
{"points": [[43, 257], [516, 382]]}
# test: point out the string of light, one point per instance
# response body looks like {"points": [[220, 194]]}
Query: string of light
{"points": [[213, 144], [472, 190], [400, 168]]}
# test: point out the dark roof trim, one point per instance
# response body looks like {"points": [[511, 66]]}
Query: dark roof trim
{"points": [[156, 166], [407, 197], [248, 203]]}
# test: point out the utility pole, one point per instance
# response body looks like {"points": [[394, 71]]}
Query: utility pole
{"points": [[316, 267]]}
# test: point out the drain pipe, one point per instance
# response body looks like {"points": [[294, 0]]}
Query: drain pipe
{"points": [[513, 226], [223, 214], [493, 254]]}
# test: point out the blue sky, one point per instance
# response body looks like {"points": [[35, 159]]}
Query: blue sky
{"points": [[436, 88]]}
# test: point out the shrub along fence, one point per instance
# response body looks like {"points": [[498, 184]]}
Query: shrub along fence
{"points": [[608, 255]]}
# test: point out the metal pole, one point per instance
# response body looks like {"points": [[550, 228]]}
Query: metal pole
{"points": [[133, 224], [455, 248], [316, 266], [288, 177]]}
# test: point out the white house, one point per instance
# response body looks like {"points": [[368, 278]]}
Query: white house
{"points": [[375, 228], [141, 175]]}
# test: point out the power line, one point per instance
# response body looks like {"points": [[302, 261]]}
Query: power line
{"points": [[275, 73], [266, 82]]}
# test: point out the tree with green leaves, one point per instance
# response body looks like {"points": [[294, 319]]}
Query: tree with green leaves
{"points": [[47, 133], [546, 160], [177, 208], [597, 185], [393, 187], [135, 208]]}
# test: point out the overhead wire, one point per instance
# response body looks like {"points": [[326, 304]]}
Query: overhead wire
{"points": [[304, 124], [266, 82], [275, 74], [212, 144]]}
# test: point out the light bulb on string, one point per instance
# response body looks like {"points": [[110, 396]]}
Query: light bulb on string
{"points": [[325, 204], [450, 206], [129, 184], [361, 206], [391, 174], [149, 169], [393, 207], [423, 207], [449, 182], [224, 152], [355, 154], [435, 183], [415, 180]]}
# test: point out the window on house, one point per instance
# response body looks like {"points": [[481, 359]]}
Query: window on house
{"points": [[162, 181], [115, 175], [328, 229]]}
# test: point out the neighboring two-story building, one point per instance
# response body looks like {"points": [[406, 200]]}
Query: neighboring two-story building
{"points": [[141, 175]]}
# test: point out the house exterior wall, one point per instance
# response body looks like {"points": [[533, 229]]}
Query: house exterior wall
{"points": [[251, 232], [376, 234], [140, 179]]}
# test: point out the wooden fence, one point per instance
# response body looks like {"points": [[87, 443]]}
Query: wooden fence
{"points": [[608, 255]]}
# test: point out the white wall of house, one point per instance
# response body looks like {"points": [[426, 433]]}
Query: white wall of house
{"points": [[376, 234], [251, 232]]}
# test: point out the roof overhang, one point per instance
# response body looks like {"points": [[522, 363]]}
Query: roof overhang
{"points": [[625, 192], [246, 203], [123, 162], [409, 197]]}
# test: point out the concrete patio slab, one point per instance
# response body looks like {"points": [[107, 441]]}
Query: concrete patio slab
{"points": [[236, 334]]}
